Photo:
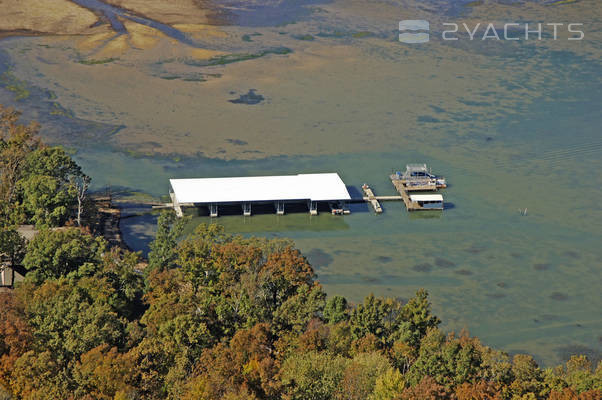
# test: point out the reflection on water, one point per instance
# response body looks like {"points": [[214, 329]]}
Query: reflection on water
{"points": [[269, 222], [138, 225]]}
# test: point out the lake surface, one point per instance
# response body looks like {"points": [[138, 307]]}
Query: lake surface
{"points": [[512, 126]]}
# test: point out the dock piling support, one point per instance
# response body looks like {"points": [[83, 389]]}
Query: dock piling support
{"points": [[246, 209], [279, 207], [313, 207], [176, 206]]}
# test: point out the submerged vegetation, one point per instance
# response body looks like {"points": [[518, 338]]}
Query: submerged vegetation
{"points": [[15, 85], [190, 77], [247, 37], [57, 109], [96, 62], [232, 58], [362, 34], [561, 2], [216, 316], [249, 98], [307, 37]]}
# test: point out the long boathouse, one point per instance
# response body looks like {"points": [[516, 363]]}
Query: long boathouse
{"points": [[310, 189], [247, 191]]}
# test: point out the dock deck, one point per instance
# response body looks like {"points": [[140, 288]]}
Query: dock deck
{"points": [[403, 191], [371, 197], [403, 187]]}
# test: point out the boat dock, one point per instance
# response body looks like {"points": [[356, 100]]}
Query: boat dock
{"points": [[254, 191], [371, 197], [417, 202], [312, 189], [403, 191]]}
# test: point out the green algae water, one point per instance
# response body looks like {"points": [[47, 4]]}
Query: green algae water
{"points": [[511, 128]]}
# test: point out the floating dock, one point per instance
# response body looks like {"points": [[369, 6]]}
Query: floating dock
{"points": [[418, 178], [371, 197], [417, 202]]}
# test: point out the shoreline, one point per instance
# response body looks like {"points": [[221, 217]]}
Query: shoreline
{"points": [[109, 218]]}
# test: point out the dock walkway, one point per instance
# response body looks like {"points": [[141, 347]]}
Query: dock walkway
{"points": [[372, 198], [404, 187], [403, 191]]}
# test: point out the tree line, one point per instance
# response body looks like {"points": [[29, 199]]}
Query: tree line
{"points": [[39, 184], [217, 316]]}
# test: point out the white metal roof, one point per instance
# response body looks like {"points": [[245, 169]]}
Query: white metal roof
{"points": [[416, 167], [426, 197], [316, 187]]}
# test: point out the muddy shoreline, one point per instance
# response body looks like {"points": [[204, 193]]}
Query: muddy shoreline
{"points": [[109, 219]]}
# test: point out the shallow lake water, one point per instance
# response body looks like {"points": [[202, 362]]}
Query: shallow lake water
{"points": [[511, 126]]}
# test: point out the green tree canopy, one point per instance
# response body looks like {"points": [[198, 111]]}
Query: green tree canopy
{"points": [[313, 375], [163, 253], [335, 310], [17, 142], [56, 253], [38, 183], [12, 245]]}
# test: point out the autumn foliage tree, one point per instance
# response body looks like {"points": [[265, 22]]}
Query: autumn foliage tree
{"points": [[226, 317], [79, 297]]}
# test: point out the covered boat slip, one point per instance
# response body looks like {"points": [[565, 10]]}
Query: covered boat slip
{"points": [[245, 191], [428, 201]]}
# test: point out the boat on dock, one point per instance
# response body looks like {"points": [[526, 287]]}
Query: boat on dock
{"points": [[420, 177], [338, 208]]}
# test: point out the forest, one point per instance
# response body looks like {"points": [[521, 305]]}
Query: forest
{"points": [[212, 315]]}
